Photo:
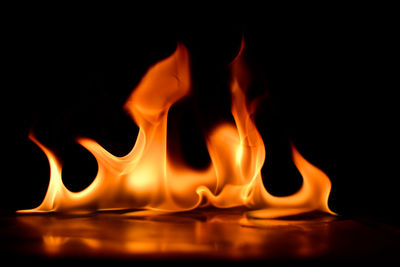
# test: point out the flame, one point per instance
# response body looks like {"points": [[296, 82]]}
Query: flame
{"points": [[145, 178]]}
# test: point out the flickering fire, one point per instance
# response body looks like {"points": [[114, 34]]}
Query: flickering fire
{"points": [[146, 179]]}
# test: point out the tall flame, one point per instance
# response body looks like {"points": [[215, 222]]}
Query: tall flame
{"points": [[145, 178]]}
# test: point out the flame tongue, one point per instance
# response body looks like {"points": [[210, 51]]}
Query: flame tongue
{"points": [[144, 179]]}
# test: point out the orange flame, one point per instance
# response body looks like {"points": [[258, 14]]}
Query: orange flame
{"points": [[144, 178]]}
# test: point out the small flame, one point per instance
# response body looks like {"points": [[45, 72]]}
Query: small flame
{"points": [[145, 178]]}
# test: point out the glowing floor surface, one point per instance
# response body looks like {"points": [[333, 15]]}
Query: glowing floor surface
{"points": [[201, 234]]}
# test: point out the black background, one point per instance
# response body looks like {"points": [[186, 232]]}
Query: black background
{"points": [[328, 73]]}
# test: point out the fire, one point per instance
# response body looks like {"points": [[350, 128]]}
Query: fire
{"points": [[146, 179]]}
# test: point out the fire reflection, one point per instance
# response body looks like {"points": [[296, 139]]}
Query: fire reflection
{"points": [[201, 233]]}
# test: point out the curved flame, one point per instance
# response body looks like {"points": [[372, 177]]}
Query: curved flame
{"points": [[144, 179]]}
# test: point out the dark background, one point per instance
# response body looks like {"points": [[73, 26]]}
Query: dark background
{"points": [[327, 72]]}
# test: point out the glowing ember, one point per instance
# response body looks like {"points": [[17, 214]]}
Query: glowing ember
{"points": [[146, 179]]}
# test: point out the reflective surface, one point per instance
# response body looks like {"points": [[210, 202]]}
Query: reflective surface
{"points": [[202, 234]]}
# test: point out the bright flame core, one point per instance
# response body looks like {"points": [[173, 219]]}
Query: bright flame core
{"points": [[145, 179]]}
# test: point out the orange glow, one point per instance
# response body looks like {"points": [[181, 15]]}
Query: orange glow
{"points": [[145, 179], [202, 233]]}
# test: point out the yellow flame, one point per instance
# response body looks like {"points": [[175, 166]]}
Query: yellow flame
{"points": [[144, 178]]}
